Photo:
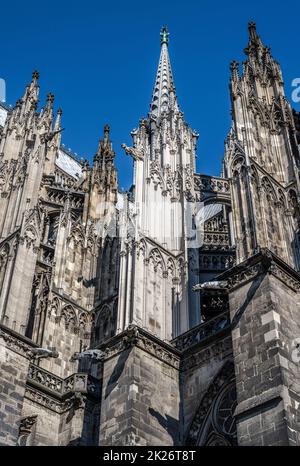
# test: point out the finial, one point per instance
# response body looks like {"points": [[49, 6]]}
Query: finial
{"points": [[50, 98], [234, 68], [35, 75], [164, 36], [252, 30], [106, 134], [57, 121], [19, 103]]}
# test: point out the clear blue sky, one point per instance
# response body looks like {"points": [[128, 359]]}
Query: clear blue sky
{"points": [[100, 59]]}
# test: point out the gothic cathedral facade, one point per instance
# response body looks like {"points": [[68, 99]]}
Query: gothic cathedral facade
{"points": [[165, 315]]}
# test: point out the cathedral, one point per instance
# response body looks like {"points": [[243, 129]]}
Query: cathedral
{"points": [[167, 314]]}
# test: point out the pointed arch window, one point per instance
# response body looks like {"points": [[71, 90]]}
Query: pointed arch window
{"points": [[214, 422]]}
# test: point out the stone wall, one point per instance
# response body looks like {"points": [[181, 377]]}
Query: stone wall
{"points": [[67, 329], [264, 312], [14, 363], [47, 423]]}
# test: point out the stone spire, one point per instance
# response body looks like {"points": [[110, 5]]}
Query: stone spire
{"points": [[57, 124], [260, 64], [104, 167], [164, 95], [30, 98], [254, 39], [257, 52], [27, 105], [101, 183]]}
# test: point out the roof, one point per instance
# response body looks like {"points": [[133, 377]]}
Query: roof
{"points": [[68, 164], [210, 211]]}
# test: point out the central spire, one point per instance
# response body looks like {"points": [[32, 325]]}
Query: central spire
{"points": [[164, 96]]}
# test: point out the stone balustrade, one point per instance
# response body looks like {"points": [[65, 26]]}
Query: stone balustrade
{"points": [[202, 331]]}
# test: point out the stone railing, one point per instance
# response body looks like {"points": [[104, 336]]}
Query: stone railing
{"points": [[75, 383], [45, 379], [220, 260], [216, 239], [202, 331], [212, 184], [78, 382], [59, 194]]}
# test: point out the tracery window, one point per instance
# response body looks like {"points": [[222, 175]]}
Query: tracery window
{"points": [[219, 427], [223, 416], [214, 422]]}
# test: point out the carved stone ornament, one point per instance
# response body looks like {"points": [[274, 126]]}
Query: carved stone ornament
{"points": [[16, 344], [26, 428], [134, 152], [136, 336]]}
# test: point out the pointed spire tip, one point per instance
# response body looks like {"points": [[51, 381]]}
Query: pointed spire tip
{"points": [[35, 75], [50, 98], [164, 93], [252, 25], [164, 36], [252, 30]]}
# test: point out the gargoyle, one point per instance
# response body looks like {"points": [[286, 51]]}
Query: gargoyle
{"points": [[46, 137], [136, 154]]}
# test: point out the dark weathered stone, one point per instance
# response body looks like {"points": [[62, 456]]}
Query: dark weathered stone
{"points": [[152, 337]]}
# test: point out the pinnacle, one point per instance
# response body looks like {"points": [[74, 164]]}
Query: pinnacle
{"points": [[252, 25], [106, 130], [35, 75], [50, 98], [163, 97]]}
